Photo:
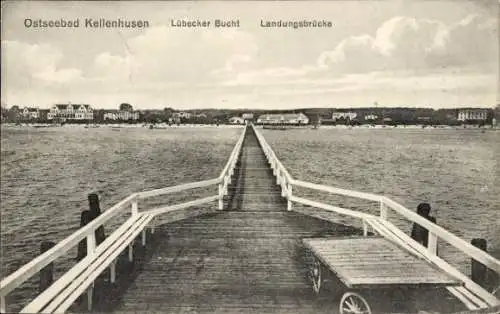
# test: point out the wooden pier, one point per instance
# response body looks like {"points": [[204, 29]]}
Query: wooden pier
{"points": [[246, 254]]}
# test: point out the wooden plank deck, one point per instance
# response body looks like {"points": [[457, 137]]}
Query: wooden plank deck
{"points": [[248, 258], [375, 261]]}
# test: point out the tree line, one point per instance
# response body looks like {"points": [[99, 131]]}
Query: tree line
{"points": [[392, 115]]}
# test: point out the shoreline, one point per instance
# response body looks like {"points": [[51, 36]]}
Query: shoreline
{"points": [[286, 128]]}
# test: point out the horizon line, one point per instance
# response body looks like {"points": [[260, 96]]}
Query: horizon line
{"points": [[264, 109]]}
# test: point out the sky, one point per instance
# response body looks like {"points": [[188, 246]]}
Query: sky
{"points": [[438, 54]]}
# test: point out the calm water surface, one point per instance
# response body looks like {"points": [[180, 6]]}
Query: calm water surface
{"points": [[47, 174]]}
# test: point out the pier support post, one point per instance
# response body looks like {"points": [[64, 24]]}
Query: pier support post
{"points": [[85, 218], [46, 274], [95, 211], [3, 305], [144, 237], [478, 270]]}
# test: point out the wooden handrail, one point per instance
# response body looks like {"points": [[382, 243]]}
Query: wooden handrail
{"points": [[178, 188], [28, 270], [176, 207], [234, 154], [34, 266], [47, 295], [268, 150], [472, 251], [386, 203], [335, 209], [338, 191]]}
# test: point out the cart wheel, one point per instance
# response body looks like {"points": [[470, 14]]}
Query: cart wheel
{"points": [[316, 276], [353, 303]]}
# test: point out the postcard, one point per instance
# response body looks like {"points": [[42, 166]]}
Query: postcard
{"points": [[250, 157]]}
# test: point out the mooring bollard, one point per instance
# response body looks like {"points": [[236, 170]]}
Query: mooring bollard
{"points": [[478, 270], [46, 274], [95, 211], [85, 218]]}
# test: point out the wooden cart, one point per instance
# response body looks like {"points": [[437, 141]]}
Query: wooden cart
{"points": [[368, 263]]}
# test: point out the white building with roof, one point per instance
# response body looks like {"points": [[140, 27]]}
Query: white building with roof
{"points": [[472, 114], [30, 113], [237, 120], [71, 112], [283, 118], [344, 115]]}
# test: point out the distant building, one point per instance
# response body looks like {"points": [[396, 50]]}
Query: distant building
{"points": [[285, 118], [71, 112], [247, 116], [344, 115], [121, 115], [371, 117], [236, 120], [182, 114], [200, 115], [472, 114], [30, 113]]}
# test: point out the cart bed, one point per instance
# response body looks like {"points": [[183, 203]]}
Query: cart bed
{"points": [[370, 262]]}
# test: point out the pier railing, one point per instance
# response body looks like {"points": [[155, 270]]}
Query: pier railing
{"points": [[472, 294], [64, 291]]}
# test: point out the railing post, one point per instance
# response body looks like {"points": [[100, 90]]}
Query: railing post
{"points": [[221, 196], [365, 228], [383, 210], [90, 296], [135, 206], [130, 252], [289, 203], [113, 272], [153, 223], [226, 184], [91, 243], [432, 243]]}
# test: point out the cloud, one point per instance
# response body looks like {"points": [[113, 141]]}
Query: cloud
{"points": [[163, 54], [26, 65], [400, 44], [410, 43], [473, 40]]}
